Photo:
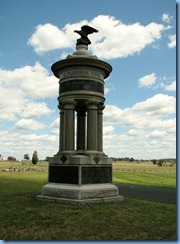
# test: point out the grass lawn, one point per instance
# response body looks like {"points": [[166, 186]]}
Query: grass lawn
{"points": [[144, 174], [22, 217]]}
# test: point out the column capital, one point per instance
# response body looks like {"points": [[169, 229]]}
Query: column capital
{"points": [[92, 104], [69, 103], [101, 107], [68, 100], [60, 106]]}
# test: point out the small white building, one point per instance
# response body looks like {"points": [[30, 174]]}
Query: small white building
{"points": [[2, 157]]}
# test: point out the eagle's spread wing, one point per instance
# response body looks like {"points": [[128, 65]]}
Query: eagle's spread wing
{"points": [[88, 29]]}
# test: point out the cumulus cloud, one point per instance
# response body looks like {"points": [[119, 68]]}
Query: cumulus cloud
{"points": [[115, 39], [48, 37], [20, 87], [167, 18], [171, 87], [172, 41], [151, 113], [45, 144], [148, 80], [29, 124], [34, 109], [106, 90], [33, 81], [55, 126], [108, 130], [152, 81], [152, 129]]}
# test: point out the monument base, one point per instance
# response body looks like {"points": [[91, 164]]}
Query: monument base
{"points": [[83, 194]]}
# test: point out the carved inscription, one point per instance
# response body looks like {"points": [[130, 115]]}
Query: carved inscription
{"points": [[95, 175], [75, 73]]}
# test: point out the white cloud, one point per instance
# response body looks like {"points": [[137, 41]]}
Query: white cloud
{"points": [[148, 80], [172, 41], [165, 83], [171, 87], [45, 144], [133, 132], [106, 90], [152, 129], [34, 137], [32, 81], [143, 144], [29, 124], [55, 126], [11, 103], [115, 39], [108, 130], [157, 133], [48, 37], [20, 87], [34, 109], [167, 18], [146, 114]]}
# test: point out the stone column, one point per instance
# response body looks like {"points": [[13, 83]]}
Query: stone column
{"points": [[81, 129], [69, 139], [92, 126], [100, 127], [61, 138]]}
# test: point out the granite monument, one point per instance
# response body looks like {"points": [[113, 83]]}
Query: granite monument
{"points": [[80, 172]]}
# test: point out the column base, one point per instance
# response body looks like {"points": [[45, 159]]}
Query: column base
{"points": [[73, 194]]}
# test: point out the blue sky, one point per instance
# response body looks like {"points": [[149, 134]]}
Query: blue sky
{"points": [[137, 37]]}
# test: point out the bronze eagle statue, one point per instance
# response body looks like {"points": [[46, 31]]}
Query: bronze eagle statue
{"points": [[84, 32]]}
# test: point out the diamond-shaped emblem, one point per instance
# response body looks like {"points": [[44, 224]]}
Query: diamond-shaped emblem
{"points": [[63, 159], [97, 159]]}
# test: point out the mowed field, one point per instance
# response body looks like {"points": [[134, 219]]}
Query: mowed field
{"points": [[22, 217], [144, 173]]}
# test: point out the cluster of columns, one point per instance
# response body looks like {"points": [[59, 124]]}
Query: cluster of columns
{"points": [[90, 139]]}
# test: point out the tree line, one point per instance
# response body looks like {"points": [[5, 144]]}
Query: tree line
{"points": [[158, 162]]}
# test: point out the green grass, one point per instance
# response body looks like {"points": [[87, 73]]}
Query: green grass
{"points": [[22, 217], [161, 179]]}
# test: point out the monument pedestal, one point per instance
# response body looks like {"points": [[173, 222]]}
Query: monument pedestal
{"points": [[75, 194], [80, 179]]}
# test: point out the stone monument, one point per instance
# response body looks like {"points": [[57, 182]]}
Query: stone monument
{"points": [[81, 172]]}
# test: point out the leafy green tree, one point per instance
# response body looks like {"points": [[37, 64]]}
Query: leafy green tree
{"points": [[35, 158], [26, 156]]}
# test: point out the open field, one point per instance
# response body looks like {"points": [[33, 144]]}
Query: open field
{"points": [[24, 218], [144, 174]]}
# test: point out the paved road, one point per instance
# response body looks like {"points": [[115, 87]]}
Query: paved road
{"points": [[148, 192]]}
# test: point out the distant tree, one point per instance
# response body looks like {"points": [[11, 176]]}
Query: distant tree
{"points": [[154, 161], [160, 162], [131, 159], [47, 159], [35, 158], [26, 156]]}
